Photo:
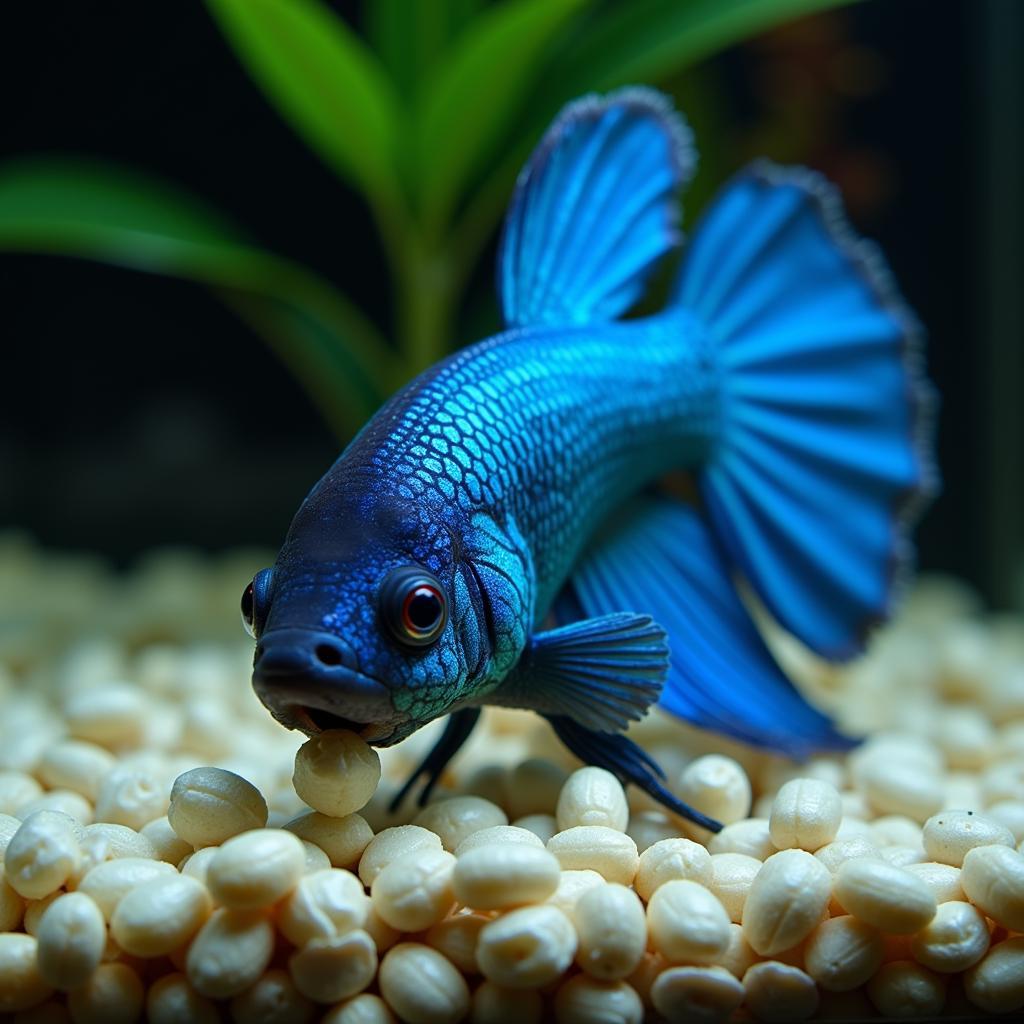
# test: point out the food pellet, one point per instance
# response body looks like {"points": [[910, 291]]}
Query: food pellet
{"points": [[456, 818], [750, 836], [22, 986], [76, 765], [584, 1000], [498, 835], [533, 787], [835, 853], [16, 790], [948, 835], [210, 805], [327, 970], [906, 989], [456, 938], [343, 840], [696, 995], [527, 948], [109, 882], [612, 930], [606, 850], [646, 828], [571, 886], [113, 995], [901, 787], [842, 953], [592, 796], [805, 814], [775, 991], [543, 826], [787, 899], [731, 877], [421, 986], [42, 854], [256, 868], [415, 891], [273, 998], [12, 906], [687, 924], [336, 772], [493, 1004], [112, 717], [74, 805], [889, 898], [364, 1008], [670, 859], [494, 877], [392, 843], [956, 938], [159, 916], [71, 938], [172, 1000], [992, 878], [322, 905], [167, 844], [996, 983], [942, 879], [716, 785], [229, 953]]}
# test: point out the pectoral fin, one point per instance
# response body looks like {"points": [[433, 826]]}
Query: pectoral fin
{"points": [[602, 672]]}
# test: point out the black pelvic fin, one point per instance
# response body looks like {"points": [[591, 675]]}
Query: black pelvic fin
{"points": [[624, 759], [456, 732]]}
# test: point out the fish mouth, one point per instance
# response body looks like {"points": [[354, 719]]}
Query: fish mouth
{"points": [[308, 681], [313, 721]]}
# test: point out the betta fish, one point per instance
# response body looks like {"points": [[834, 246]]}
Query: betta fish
{"points": [[499, 532]]}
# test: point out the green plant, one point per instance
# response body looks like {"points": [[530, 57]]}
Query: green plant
{"points": [[429, 117]]}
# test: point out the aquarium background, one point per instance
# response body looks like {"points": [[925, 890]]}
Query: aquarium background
{"points": [[138, 410]]}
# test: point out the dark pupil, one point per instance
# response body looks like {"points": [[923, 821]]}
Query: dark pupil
{"points": [[424, 609], [247, 603]]}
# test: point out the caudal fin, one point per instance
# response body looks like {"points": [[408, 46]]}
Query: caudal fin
{"points": [[824, 459]]}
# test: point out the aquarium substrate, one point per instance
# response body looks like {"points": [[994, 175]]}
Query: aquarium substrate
{"points": [[172, 854]]}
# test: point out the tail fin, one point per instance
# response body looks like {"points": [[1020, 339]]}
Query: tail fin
{"points": [[824, 460]]}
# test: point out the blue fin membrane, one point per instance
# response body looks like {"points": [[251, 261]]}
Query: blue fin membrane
{"points": [[659, 556], [594, 210], [601, 672], [823, 459]]}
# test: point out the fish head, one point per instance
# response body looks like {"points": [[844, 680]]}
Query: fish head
{"points": [[365, 621]]}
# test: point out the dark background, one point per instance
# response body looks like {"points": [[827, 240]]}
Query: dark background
{"points": [[137, 410]]}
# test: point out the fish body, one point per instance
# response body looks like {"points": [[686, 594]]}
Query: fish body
{"points": [[491, 535]]}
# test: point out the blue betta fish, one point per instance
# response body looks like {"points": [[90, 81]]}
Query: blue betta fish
{"points": [[495, 534]]}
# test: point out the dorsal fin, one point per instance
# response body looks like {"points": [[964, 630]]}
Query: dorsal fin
{"points": [[594, 209]]}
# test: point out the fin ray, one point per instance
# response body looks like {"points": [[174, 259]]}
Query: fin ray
{"points": [[602, 181], [660, 557], [823, 460]]}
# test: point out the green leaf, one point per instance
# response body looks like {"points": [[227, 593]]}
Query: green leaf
{"points": [[476, 91], [646, 40], [104, 213], [410, 35], [642, 41], [326, 83]]}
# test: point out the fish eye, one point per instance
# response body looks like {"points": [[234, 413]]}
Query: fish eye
{"points": [[414, 606], [254, 603]]}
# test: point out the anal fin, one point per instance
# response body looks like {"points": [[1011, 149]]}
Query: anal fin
{"points": [[659, 556]]}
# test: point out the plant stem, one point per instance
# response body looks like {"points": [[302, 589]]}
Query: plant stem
{"points": [[426, 297]]}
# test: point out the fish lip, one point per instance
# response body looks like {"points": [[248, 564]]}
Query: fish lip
{"points": [[294, 685], [299, 717]]}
